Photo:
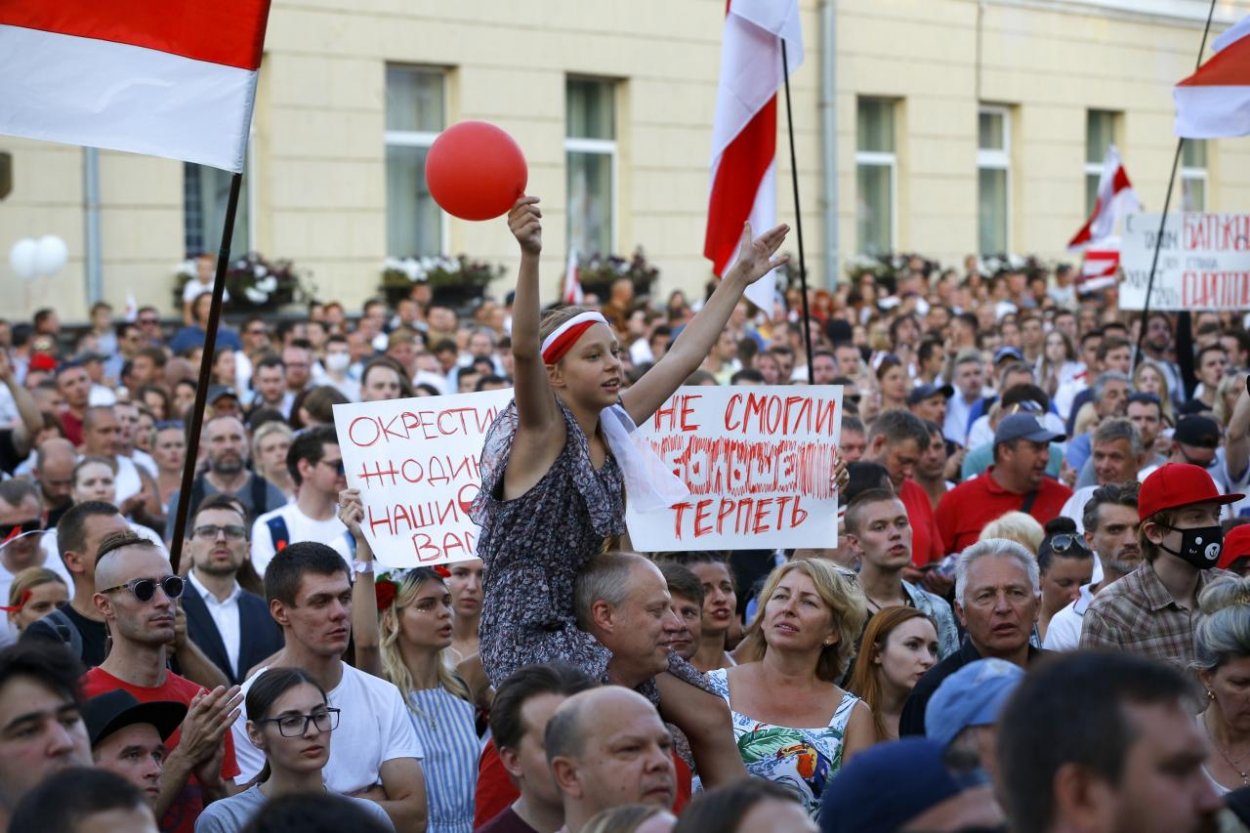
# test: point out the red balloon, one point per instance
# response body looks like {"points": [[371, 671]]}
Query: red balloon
{"points": [[475, 171]]}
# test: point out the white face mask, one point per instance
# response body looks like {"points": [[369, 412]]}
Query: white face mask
{"points": [[337, 362]]}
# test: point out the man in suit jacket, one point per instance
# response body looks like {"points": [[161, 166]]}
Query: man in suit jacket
{"points": [[231, 626]]}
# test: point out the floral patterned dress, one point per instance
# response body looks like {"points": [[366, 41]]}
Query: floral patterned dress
{"points": [[533, 547], [804, 760]]}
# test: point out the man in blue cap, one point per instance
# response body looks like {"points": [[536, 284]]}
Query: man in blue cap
{"points": [[963, 713], [906, 785]]}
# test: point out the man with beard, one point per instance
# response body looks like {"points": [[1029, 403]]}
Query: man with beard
{"points": [[226, 447], [1111, 525], [54, 471], [231, 626]]}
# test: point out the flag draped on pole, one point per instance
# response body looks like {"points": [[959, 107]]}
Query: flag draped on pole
{"points": [[1116, 198], [174, 79], [744, 131], [572, 291], [1215, 100]]}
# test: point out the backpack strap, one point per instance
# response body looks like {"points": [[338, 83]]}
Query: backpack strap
{"points": [[260, 495], [279, 533]]}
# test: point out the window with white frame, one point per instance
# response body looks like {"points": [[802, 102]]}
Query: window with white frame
{"points": [[1100, 130], [205, 193], [1194, 175], [415, 114], [590, 162], [993, 180], [876, 166]]}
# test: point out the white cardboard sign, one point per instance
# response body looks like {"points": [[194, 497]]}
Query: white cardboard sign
{"points": [[1204, 262], [415, 462], [758, 462]]}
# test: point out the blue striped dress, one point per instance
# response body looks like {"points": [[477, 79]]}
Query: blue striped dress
{"points": [[446, 727]]}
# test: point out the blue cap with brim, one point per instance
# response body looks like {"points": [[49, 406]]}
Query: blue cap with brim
{"points": [[972, 696]]}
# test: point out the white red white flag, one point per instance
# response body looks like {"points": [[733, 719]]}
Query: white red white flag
{"points": [[571, 293], [174, 79], [1215, 100], [1116, 198], [1100, 268], [744, 130]]}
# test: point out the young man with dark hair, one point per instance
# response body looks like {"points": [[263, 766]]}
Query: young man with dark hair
{"points": [[379, 756], [896, 440], [1152, 611], [519, 713], [1124, 755], [128, 737], [41, 726], [269, 386], [316, 467], [82, 800]]}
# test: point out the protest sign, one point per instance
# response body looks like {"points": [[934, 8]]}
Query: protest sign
{"points": [[415, 462], [758, 462], [1204, 262]]}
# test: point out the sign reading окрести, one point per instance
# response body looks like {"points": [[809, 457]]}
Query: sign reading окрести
{"points": [[415, 462], [758, 462]]}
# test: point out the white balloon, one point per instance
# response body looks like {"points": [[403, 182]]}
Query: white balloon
{"points": [[23, 256], [52, 255]]}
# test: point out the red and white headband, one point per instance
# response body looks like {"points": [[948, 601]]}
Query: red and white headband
{"points": [[563, 338]]}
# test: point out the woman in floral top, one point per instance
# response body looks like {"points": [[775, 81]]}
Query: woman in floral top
{"points": [[792, 723]]}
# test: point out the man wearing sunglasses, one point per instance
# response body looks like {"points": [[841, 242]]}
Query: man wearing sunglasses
{"points": [[137, 594], [231, 626], [316, 467]]}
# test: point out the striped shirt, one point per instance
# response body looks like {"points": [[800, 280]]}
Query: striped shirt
{"points": [[446, 728]]}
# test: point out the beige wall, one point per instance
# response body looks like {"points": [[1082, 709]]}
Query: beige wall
{"points": [[319, 186]]}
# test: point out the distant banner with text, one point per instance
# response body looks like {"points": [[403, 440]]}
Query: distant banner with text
{"points": [[1204, 262], [415, 462], [759, 465]]}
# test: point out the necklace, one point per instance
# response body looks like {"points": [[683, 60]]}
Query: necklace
{"points": [[1206, 724]]}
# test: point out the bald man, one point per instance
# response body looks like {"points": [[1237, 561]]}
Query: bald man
{"points": [[608, 747], [54, 471]]}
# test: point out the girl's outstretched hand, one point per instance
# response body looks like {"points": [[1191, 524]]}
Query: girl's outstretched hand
{"points": [[758, 257], [525, 221]]}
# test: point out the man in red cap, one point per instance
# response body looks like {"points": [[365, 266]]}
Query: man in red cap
{"points": [[1235, 555], [1152, 610]]}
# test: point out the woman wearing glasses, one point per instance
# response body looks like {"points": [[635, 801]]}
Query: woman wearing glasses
{"points": [[289, 720]]}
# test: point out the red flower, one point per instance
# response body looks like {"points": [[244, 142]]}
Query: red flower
{"points": [[385, 590], [442, 571]]}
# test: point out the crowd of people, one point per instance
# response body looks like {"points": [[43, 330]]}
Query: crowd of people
{"points": [[1033, 619]]}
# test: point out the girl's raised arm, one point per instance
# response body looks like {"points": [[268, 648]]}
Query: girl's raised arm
{"points": [[755, 259], [536, 405]]}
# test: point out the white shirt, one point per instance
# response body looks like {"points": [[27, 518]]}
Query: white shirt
{"points": [[128, 482], [299, 527], [1064, 631], [374, 727], [955, 428], [144, 461], [225, 616]]}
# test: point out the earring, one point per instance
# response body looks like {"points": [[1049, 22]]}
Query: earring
{"points": [[1210, 694]]}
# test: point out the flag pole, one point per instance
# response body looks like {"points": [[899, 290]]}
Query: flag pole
{"points": [[1167, 202], [798, 217], [206, 370]]}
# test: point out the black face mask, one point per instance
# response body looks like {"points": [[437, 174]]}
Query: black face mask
{"points": [[1200, 546]]}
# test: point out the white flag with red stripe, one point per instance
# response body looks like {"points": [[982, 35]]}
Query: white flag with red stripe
{"points": [[174, 79], [1100, 267], [1116, 198], [572, 290], [744, 131], [1215, 100]]}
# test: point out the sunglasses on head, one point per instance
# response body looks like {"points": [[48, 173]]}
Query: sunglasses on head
{"points": [[18, 530], [1065, 542], [145, 588]]}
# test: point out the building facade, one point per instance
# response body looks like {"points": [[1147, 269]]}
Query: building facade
{"points": [[944, 127]]}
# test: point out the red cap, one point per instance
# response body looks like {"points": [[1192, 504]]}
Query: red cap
{"points": [[1174, 485], [42, 361], [1236, 545]]}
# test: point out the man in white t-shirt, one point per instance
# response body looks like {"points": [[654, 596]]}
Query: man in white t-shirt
{"points": [[375, 753], [316, 467]]}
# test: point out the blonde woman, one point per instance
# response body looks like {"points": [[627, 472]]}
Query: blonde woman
{"points": [[270, 443], [1148, 377], [35, 592], [1020, 527], [403, 629], [791, 721], [1226, 396]]}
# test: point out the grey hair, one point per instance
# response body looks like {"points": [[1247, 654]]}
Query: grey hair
{"points": [[604, 579], [1109, 376], [1119, 429], [1223, 630], [1000, 548]]}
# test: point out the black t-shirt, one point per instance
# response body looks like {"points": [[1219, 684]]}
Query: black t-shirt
{"points": [[94, 635], [506, 822], [9, 458]]}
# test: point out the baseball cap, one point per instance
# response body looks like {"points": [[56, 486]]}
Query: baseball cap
{"points": [[216, 392], [1024, 427], [1007, 353], [886, 786], [114, 710], [922, 392], [1198, 431], [1174, 485], [972, 696], [43, 361], [1236, 545]]}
